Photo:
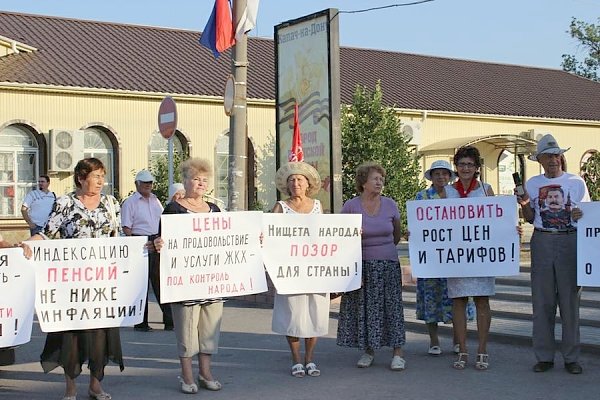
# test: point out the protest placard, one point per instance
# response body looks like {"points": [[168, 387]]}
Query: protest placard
{"points": [[313, 253], [588, 245], [463, 237], [211, 255], [17, 293], [90, 283]]}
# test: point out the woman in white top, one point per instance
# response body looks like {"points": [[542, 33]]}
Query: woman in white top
{"points": [[300, 315]]}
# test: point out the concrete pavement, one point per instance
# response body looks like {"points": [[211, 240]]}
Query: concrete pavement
{"points": [[254, 364]]}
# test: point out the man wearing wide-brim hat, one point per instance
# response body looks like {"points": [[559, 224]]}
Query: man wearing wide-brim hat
{"points": [[550, 204]]}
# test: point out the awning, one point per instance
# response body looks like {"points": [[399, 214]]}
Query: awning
{"points": [[514, 143]]}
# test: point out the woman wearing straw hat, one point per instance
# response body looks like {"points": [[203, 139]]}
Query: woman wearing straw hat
{"points": [[300, 315], [433, 303]]}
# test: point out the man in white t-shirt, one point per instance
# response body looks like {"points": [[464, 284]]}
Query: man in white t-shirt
{"points": [[37, 205], [550, 204]]}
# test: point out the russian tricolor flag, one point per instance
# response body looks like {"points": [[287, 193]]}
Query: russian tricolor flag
{"points": [[219, 34]]}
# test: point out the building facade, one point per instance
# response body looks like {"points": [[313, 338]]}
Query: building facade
{"points": [[89, 88]]}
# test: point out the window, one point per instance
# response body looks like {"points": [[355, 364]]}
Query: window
{"points": [[159, 146], [96, 143], [584, 159], [508, 163], [19, 160]]}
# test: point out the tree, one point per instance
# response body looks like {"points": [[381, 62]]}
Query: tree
{"points": [[588, 36], [159, 168], [371, 132], [591, 174]]}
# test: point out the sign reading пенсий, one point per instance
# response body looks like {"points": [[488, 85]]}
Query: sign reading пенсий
{"points": [[17, 291], [463, 237], [211, 255], [90, 283], [315, 253]]}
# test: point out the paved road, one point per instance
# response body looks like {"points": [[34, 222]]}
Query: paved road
{"points": [[254, 364]]}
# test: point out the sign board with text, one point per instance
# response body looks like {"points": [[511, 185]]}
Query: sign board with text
{"points": [[17, 292], [463, 237], [588, 245], [313, 253], [211, 255], [90, 283]]}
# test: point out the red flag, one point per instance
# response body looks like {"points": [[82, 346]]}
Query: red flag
{"points": [[296, 153]]}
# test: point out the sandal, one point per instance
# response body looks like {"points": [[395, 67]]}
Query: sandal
{"points": [[312, 370], [434, 350], [188, 388], [210, 385], [365, 360], [461, 362], [99, 396], [482, 362], [398, 364], [298, 370]]}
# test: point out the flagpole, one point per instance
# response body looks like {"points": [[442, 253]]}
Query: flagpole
{"points": [[238, 120]]}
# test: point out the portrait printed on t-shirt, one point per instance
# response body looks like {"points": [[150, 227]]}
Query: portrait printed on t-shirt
{"points": [[555, 207]]}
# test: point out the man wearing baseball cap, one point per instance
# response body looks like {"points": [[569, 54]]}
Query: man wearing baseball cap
{"points": [[549, 203], [140, 216]]}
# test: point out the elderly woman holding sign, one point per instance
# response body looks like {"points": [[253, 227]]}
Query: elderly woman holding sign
{"points": [[373, 316], [197, 322], [433, 303], [84, 213], [300, 315], [468, 161]]}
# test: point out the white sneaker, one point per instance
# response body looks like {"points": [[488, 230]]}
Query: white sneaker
{"points": [[398, 364], [365, 360], [435, 350], [456, 348]]}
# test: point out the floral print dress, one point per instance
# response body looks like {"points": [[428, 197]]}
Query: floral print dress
{"points": [[70, 219]]}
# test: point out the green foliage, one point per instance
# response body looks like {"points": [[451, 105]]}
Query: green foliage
{"points": [[591, 174], [588, 36], [159, 168], [371, 132]]}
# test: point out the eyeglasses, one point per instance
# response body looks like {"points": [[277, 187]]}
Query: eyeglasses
{"points": [[147, 182], [465, 165], [98, 177]]}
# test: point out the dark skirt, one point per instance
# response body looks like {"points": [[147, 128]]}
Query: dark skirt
{"points": [[72, 349], [373, 316], [7, 356]]}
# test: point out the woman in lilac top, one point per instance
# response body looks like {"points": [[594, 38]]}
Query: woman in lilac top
{"points": [[373, 316]]}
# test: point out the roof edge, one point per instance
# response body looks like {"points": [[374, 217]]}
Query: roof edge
{"points": [[15, 45]]}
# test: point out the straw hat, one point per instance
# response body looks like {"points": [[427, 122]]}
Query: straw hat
{"points": [[298, 168], [547, 145], [440, 164]]}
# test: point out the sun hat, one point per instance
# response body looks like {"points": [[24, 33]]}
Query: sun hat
{"points": [[440, 164], [144, 176], [174, 188], [547, 145], [298, 168]]}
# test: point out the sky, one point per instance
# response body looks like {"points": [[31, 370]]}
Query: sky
{"points": [[521, 32]]}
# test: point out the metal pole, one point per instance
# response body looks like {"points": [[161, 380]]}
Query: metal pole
{"points": [[170, 161], [237, 122]]}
